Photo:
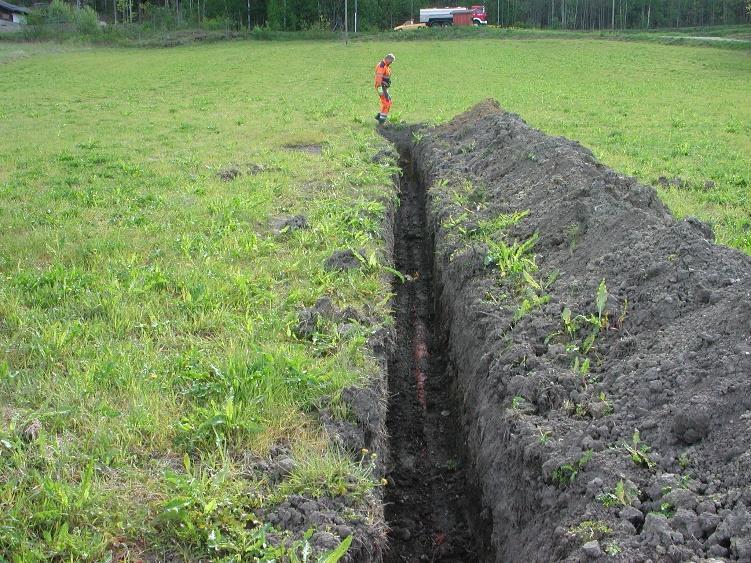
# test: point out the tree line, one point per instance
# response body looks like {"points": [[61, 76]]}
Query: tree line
{"points": [[371, 15], [619, 14]]}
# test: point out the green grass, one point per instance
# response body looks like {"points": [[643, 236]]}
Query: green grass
{"points": [[733, 37], [11, 51], [729, 31], [144, 35], [146, 307]]}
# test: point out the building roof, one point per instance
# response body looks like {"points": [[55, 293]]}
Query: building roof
{"points": [[13, 8]]}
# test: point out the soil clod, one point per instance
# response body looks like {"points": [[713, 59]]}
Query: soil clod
{"points": [[344, 260], [229, 174], [310, 148], [283, 225]]}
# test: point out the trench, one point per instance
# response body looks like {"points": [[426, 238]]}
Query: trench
{"points": [[431, 502], [465, 354]]}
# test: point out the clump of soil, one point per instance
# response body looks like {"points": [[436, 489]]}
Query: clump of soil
{"points": [[344, 260], [232, 172], [332, 518], [646, 453], [228, 174], [289, 224], [676, 182], [31, 432], [310, 148], [254, 169], [385, 156], [311, 318]]}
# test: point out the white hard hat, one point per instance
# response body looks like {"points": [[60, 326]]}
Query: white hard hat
{"points": [[391, 56]]}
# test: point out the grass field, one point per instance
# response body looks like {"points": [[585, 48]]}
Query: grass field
{"points": [[147, 308]]}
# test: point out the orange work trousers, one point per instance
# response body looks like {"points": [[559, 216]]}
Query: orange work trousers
{"points": [[385, 104]]}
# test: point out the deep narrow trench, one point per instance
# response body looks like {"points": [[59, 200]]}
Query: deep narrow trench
{"points": [[430, 504]]}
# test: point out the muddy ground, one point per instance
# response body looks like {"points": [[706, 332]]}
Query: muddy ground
{"points": [[634, 445]]}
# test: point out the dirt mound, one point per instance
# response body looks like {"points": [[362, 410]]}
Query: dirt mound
{"points": [[601, 348]]}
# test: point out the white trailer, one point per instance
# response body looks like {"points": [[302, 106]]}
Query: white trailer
{"points": [[438, 16]]}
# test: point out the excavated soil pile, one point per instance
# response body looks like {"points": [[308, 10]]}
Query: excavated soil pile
{"points": [[634, 444]]}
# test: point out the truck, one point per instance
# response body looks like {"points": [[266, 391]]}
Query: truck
{"points": [[474, 15]]}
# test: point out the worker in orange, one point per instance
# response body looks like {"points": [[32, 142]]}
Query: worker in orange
{"points": [[382, 84]]}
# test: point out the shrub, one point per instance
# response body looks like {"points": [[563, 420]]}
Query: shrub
{"points": [[87, 22], [218, 24], [59, 12], [60, 20]]}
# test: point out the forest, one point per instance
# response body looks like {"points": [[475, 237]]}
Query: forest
{"points": [[372, 15]]}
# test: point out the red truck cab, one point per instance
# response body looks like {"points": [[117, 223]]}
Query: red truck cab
{"points": [[479, 15]]}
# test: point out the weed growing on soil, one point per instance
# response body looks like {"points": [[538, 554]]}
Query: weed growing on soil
{"points": [[544, 435], [608, 406], [684, 461], [469, 196], [577, 410], [579, 332], [468, 148], [371, 264], [622, 495], [567, 473], [666, 509], [208, 515], [684, 481], [534, 293], [512, 260], [452, 465], [612, 549], [573, 232], [589, 530], [332, 473], [515, 261], [638, 451], [486, 229]]}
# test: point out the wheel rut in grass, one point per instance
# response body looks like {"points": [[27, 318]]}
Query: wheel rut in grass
{"points": [[429, 499]]}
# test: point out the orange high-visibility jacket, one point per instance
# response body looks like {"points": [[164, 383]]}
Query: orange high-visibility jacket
{"points": [[382, 71]]}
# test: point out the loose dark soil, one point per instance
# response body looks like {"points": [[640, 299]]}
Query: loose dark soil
{"points": [[344, 260], [547, 442], [428, 497], [674, 361]]}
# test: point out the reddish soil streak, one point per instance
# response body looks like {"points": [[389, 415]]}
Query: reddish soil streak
{"points": [[422, 359]]}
